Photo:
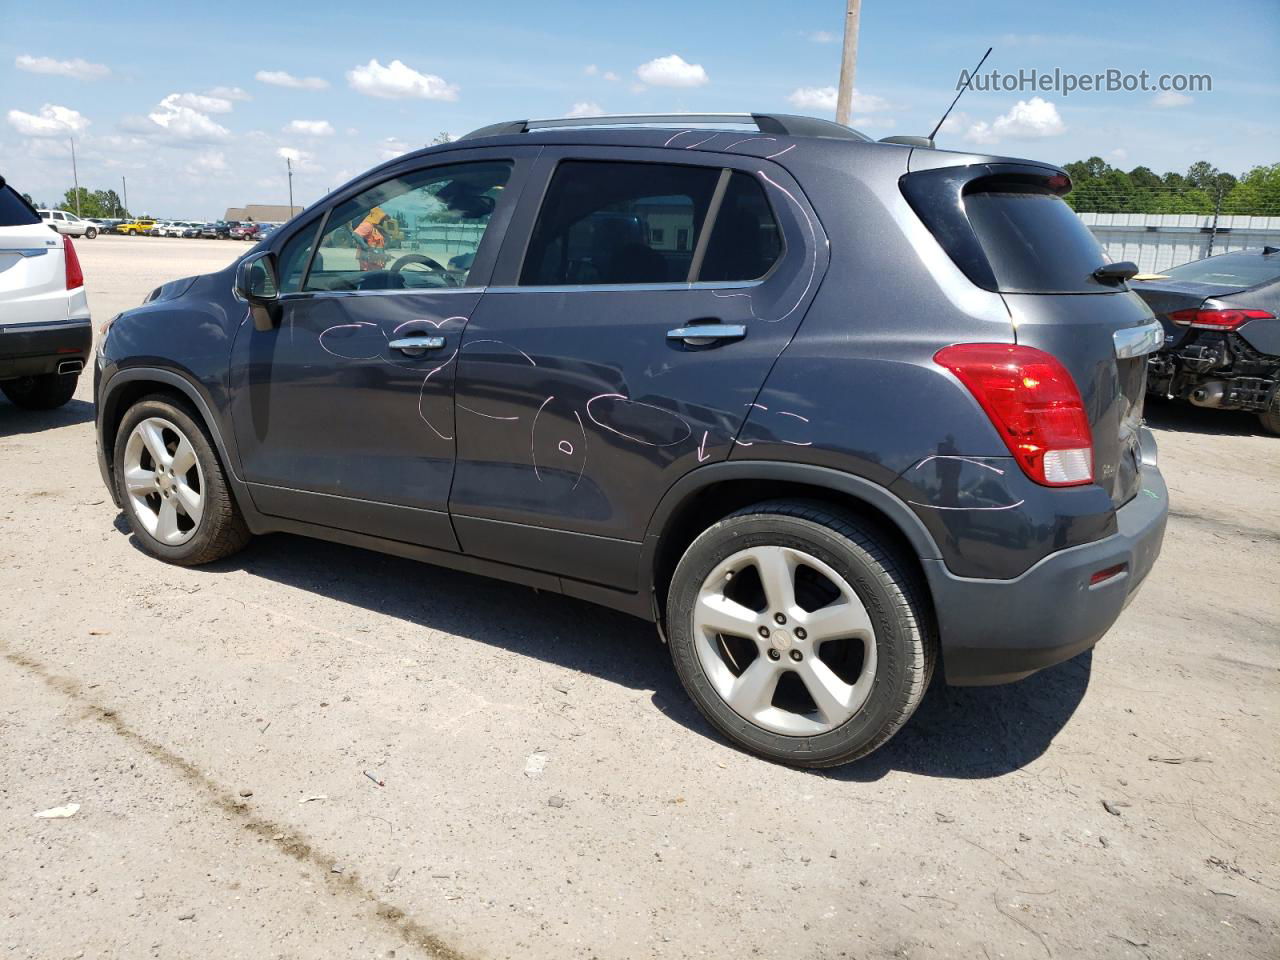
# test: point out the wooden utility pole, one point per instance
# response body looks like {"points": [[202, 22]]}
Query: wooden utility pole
{"points": [[75, 176], [844, 98], [289, 166]]}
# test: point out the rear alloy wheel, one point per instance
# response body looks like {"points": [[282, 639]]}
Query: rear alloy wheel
{"points": [[172, 486], [799, 633], [42, 392]]}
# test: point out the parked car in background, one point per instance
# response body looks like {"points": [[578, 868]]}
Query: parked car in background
{"points": [[173, 228], [108, 224], [1222, 332], [68, 224], [218, 229], [244, 231], [861, 457], [192, 230], [45, 330], [136, 228], [266, 230]]}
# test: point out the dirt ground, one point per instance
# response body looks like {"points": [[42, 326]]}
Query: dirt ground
{"points": [[549, 792]]}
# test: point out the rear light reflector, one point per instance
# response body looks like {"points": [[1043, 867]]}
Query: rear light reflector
{"points": [[75, 276], [1034, 405], [1217, 319], [1108, 573]]}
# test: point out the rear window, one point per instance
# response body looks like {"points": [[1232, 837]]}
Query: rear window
{"points": [[1234, 270], [1034, 242], [13, 212]]}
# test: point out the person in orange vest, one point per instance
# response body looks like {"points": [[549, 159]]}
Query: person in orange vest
{"points": [[371, 240]]}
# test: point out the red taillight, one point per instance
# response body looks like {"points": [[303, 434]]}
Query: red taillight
{"points": [[1033, 404], [1107, 573], [75, 276], [1217, 319]]}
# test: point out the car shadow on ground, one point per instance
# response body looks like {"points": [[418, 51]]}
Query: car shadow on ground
{"points": [[1181, 416], [957, 732], [15, 420]]}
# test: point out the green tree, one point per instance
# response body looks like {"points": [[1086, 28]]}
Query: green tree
{"points": [[94, 203], [1256, 193]]}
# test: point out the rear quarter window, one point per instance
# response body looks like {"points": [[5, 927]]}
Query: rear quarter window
{"points": [[13, 211], [1034, 242]]}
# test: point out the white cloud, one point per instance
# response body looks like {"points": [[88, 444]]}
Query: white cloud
{"points": [[824, 98], [280, 78], [1171, 98], [77, 68], [821, 36], [672, 71], [229, 93], [392, 147], [301, 159], [208, 163], [1025, 120], [611, 76], [585, 108], [1119, 154], [205, 103], [310, 128], [398, 81], [51, 121], [176, 116], [590, 69]]}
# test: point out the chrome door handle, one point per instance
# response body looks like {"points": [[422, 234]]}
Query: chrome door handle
{"points": [[416, 346], [700, 334]]}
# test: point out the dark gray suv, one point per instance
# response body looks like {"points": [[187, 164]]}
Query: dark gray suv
{"points": [[825, 410]]}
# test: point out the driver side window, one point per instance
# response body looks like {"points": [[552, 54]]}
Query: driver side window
{"points": [[420, 230]]}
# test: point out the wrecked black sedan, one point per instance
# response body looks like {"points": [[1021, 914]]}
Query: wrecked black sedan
{"points": [[1222, 335]]}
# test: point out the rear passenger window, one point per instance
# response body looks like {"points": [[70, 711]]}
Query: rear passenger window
{"points": [[745, 239], [610, 223]]}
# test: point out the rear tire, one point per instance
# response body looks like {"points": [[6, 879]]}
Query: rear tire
{"points": [[46, 391], [158, 433], [848, 648], [1270, 417]]}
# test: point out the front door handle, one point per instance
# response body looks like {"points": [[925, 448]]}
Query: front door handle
{"points": [[416, 346], [701, 334]]}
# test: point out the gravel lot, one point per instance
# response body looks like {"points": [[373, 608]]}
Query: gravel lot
{"points": [[214, 726]]}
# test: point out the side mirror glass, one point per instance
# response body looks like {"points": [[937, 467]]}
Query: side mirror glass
{"points": [[256, 282]]}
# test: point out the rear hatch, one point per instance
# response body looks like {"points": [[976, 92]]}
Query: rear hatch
{"points": [[1007, 226], [32, 274]]}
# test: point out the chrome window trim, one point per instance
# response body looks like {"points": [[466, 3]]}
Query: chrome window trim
{"points": [[625, 287], [1138, 341], [416, 291]]}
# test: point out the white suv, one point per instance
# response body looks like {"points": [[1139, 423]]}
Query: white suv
{"points": [[45, 329], [170, 228], [68, 224]]}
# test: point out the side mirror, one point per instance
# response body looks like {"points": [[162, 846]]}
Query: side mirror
{"points": [[256, 283]]}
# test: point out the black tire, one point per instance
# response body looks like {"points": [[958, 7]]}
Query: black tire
{"points": [[221, 530], [1270, 417], [91, 233], [46, 391], [889, 587]]}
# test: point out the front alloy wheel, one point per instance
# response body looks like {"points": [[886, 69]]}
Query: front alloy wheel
{"points": [[164, 482]]}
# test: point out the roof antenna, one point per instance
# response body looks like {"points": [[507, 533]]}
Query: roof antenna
{"points": [[960, 93]]}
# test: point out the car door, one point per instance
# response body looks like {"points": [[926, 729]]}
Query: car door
{"points": [[637, 307], [344, 412]]}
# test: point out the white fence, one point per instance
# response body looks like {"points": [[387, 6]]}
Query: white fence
{"points": [[1157, 241]]}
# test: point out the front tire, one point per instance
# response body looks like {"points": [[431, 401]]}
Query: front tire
{"points": [[173, 487], [800, 632], [91, 233], [45, 391]]}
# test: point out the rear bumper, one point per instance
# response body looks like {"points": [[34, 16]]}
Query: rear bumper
{"points": [[997, 631], [31, 349]]}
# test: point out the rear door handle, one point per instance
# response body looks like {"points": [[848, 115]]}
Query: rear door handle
{"points": [[701, 334], [416, 346]]}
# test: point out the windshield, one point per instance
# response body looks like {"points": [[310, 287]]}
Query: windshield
{"points": [[1230, 270]]}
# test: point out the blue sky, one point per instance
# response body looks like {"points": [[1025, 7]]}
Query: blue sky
{"points": [[197, 111]]}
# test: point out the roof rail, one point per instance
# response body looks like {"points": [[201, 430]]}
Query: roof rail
{"points": [[771, 123]]}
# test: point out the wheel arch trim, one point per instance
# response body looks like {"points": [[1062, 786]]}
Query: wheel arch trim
{"points": [[186, 387], [837, 481]]}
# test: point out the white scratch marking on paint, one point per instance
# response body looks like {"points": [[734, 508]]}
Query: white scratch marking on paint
{"points": [[472, 343], [931, 506], [813, 244], [674, 135], [748, 140], [788, 413], [487, 416], [702, 448], [533, 438], [422, 390], [701, 142], [626, 436], [943, 456], [565, 447], [582, 469], [780, 152]]}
